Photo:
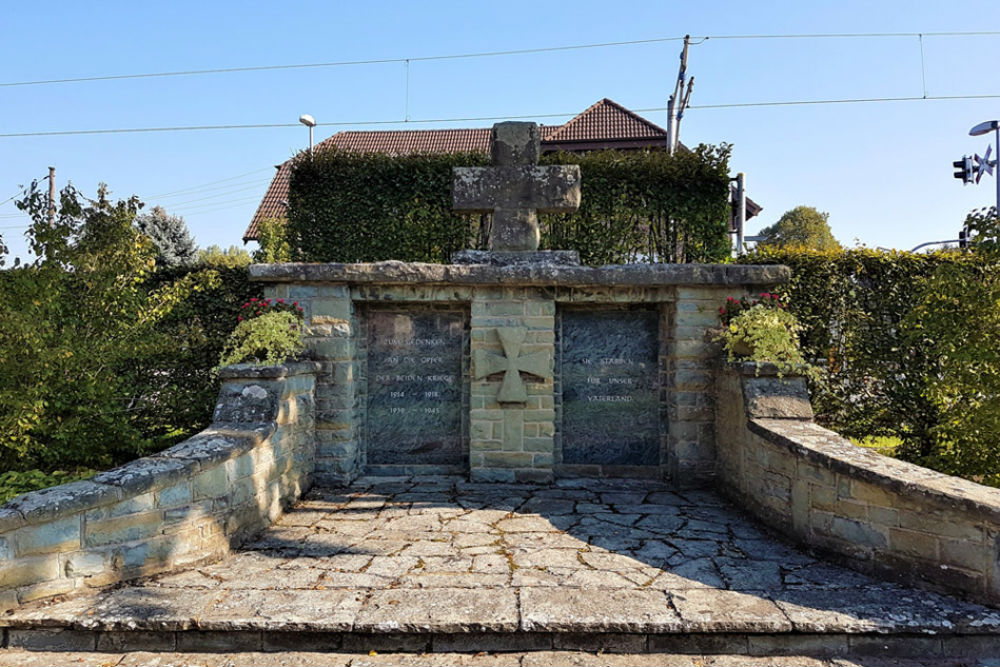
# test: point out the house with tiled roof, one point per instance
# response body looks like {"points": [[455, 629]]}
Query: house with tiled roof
{"points": [[603, 126]]}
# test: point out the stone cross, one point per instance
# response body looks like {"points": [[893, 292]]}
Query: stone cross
{"points": [[515, 189], [511, 364]]}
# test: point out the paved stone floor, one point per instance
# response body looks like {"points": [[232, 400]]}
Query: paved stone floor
{"points": [[439, 554]]}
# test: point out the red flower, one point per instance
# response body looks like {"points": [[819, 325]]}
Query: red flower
{"points": [[253, 299], [239, 319], [722, 311], [295, 303]]}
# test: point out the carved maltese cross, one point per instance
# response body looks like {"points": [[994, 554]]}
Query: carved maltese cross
{"points": [[511, 364]]}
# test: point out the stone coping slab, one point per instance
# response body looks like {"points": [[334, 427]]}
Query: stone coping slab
{"points": [[405, 557], [542, 274], [818, 444], [254, 371]]}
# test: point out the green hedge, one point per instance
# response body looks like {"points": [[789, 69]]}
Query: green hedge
{"points": [[899, 335], [638, 206]]}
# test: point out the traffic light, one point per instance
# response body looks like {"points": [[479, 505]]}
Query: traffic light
{"points": [[965, 169]]}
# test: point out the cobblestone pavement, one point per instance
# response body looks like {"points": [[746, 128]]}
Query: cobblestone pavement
{"points": [[439, 554]]}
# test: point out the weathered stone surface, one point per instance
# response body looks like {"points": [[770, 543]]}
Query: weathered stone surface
{"points": [[534, 258], [624, 275], [712, 610], [777, 398], [439, 610], [253, 371], [515, 189], [606, 577], [61, 501], [554, 610], [142, 474], [313, 610]]}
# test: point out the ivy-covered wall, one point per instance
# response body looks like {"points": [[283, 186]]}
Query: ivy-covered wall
{"points": [[640, 206]]}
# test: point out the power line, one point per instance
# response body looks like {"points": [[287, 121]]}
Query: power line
{"points": [[339, 63], [487, 54], [199, 187], [853, 100], [420, 121]]}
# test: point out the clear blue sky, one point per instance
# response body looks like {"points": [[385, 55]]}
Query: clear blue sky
{"points": [[882, 170]]}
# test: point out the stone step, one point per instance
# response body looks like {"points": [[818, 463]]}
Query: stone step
{"points": [[23, 658], [463, 620], [962, 649]]}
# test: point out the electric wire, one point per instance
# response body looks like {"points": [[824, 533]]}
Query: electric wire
{"points": [[489, 54], [733, 105], [340, 63]]}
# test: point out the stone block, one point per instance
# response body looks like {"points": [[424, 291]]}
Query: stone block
{"points": [[45, 589], [507, 459], [326, 309], [136, 640], [211, 483], [962, 554], [956, 524], [28, 570], [84, 563], [122, 529], [57, 639], [486, 475], [176, 495], [53, 536], [914, 543], [855, 532]]}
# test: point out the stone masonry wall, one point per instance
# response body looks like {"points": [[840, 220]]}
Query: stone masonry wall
{"points": [[877, 514], [518, 440], [186, 505]]}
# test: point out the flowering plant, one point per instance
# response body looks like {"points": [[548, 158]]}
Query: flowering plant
{"points": [[256, 307], [734, 306], [269, 332], [764, 331]]}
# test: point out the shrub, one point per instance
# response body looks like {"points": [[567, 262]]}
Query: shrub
{"points": [[104, 357], [907, 347], [271, 338], [763, 332], [272, 236], [639, 206]]}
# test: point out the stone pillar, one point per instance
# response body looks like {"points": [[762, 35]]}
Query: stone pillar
{"points": [[512, 404], [332, 337], [688, 361]]}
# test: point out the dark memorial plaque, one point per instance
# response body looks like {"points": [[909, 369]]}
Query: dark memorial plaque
{"points": [[610, 387], [415, 387]]}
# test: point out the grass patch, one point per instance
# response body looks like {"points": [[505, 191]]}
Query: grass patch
{"points": [[886, 445], [16, 482]]}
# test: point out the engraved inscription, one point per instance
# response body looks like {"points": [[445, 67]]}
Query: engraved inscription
{"points": [[414, 387], [610, 387]]}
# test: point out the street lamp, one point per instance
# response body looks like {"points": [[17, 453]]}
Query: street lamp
{"points": [[984, 128], [309, 122]]}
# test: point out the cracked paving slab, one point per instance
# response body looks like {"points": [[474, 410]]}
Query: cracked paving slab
{"points": [[439, 554]]}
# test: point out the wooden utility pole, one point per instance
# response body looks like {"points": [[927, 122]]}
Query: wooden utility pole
{"points": [[679, 100], [52, 196]]}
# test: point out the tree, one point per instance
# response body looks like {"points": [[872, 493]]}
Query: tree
{"points": [[78, 328], [232, 257], [169, 235], [801, 227]]}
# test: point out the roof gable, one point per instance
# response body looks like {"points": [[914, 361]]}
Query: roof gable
{"points": [[606, 120]]}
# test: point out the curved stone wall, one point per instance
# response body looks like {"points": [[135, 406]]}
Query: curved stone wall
{"points": [[188, 504], [877, 514]]}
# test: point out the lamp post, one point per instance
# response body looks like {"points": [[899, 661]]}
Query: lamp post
{"points": [[984, 128], [309, 122]]}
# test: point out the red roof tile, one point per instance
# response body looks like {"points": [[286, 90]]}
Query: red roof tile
{"points": [[607, 120]]}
